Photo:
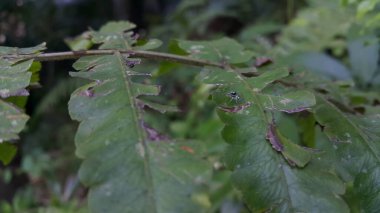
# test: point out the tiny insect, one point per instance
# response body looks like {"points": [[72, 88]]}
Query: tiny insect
{"points": [[234, 96]]}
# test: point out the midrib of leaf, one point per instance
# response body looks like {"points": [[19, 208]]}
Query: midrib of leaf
{"points": [[287, 186], [359, 131], [141, 135]]}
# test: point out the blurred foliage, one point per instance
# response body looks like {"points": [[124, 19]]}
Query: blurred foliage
{"points": [[335, 39]]}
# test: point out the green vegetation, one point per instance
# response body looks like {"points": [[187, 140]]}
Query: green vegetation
{"points": [[224, 111]]}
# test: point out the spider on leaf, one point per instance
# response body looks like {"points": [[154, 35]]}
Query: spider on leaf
{"points": [[233, 96]]}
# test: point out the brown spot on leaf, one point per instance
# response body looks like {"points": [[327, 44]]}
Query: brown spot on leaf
{"points": [[273, 138], [152, 134], [262, 61], [89, 92], [295, 110], [235, 109], [187, 149], [5, 93]]}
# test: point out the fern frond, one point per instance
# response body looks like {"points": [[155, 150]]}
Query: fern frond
{"points": [[121, 159], [267, 167], [14, 78]]}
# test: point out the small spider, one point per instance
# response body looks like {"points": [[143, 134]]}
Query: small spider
{"points": [[234, 96]]}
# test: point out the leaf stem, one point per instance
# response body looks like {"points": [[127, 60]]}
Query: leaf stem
{"points": [[57, 56], [141, 136], [159, 56]]}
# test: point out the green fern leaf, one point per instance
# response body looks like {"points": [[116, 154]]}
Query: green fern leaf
{"points": [[115, 35], [15, 76], [264, 163], [127, 165], [224, 50], [119, 35], [356, 143]]}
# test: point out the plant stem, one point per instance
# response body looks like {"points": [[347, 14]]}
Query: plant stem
{"points": [[133, 53], [70, 55]]}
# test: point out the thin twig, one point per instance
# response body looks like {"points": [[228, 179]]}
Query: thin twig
{"points": [[70, 55], [57, 56]]}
